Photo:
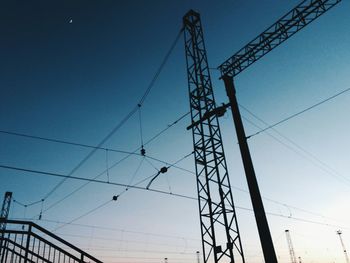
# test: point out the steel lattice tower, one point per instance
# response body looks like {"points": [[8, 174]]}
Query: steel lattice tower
{"points": [[220, 235], [5, 210], [290, 247]]}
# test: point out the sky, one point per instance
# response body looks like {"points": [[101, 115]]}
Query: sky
{"points": [[73, 70]]}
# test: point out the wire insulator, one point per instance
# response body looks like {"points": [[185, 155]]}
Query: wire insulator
{"points": [[143, 151], [163, 170]]}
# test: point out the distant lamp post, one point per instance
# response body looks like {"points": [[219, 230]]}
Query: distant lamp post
{"points": [[343, 246]]}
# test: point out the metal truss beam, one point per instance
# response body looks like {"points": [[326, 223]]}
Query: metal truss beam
{"points": [[5, 210], [295, 20], [5, 207], [293, 258], [220, 235]]}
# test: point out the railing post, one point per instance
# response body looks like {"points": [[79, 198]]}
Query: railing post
{"points": [[28, 242], [4, 243], [2, 247]]}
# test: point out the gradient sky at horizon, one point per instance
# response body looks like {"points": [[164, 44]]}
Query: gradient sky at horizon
{"points": [[72, 70]]}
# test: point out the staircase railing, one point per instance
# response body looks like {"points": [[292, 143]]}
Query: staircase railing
{"points": [[27, 242]]}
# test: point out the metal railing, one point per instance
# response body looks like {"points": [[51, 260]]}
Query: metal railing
{"points": [[27, 242]]}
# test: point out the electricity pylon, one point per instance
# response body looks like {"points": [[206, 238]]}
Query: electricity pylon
{"points": [[221, 240], [5, 210], [217, 213], [290, 247]]}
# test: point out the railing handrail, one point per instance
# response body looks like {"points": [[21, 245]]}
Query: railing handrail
{"points": [[52, 235]]}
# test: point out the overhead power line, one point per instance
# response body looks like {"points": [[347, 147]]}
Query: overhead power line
{"points": [[124, 191], [115, 229], [155, 77], [38, 172], [298, 113], [161, 244], [303, 152], [109, 135], [183, 116], [98, 175], [161, 192], [26, 135], [123, 159], [124, 120], [129, 153], [85, 214]]}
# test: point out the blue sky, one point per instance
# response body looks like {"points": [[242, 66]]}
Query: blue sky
{"points": [[76, 81]]}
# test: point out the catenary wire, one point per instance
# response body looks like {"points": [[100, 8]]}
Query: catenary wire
{"points": [[311, 157], [129, 153], [88, 182], [113, 229], [121, 240], [25, 135], [117, 196], [38, 172], [305, 155], [109, 135], [262, 130], [164, 193], [121, 123], [300, 112], [85, 214], [155, 77]]}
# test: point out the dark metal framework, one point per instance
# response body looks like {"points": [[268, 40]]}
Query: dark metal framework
{"points": [[347, 260], [220, 235], [5, 210], [302, 15], [26, 242], [290, 247]]}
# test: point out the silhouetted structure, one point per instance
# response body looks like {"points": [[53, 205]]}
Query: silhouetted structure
{"points": [[27, 242], [291, 248], [209, 155], [288, 25], [5, 210], [220, 235], [343, 246]]}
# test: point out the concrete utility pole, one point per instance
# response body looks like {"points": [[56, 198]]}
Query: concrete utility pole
{"points": [[343, 246]]}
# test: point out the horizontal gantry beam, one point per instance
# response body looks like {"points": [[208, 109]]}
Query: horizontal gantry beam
{"points": [[302, 15]]}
